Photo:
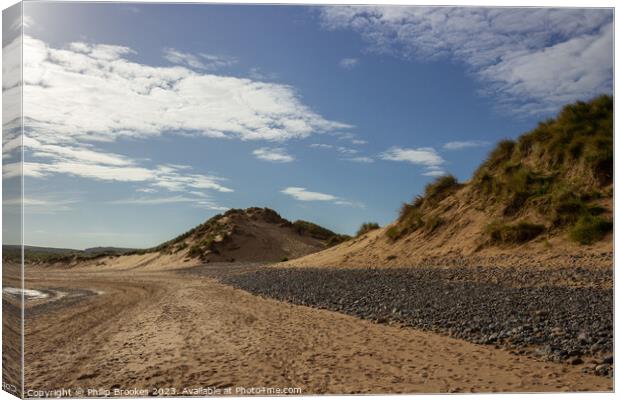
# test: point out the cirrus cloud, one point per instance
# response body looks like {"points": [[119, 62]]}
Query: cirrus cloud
{"points": [[84, 94], [434, 172], [465, 144], [348, 63], [198, 202], [84, 161], [273, 154], [423, 156], [94, 92], [531, 60], [203, 61], [302, 194], [360, 159], [426, 156]]}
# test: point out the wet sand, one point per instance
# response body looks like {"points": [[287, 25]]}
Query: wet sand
{"points": [[176, 331]]}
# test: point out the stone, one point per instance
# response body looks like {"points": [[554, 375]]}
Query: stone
{"points": [[583, 338], [602, 369]]}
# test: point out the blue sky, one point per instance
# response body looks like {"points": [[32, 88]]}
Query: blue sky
{"points": [[142, 121]]}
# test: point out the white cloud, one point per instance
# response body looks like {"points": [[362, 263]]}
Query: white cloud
{"points": [[39, 205], [84, 94], [425, 156], [321, 146], [348, 63], [11, 89], [197, 202], [77, 153], [360, 159], [530, 60], [434, 172], [86, 162], [339, 149], [104, 96], [349, 203], [259, 75], [186, 59], [346, 151], [273, 154], [203, 61], [460, 145], [347, 136], [301, 194], [11, 144], [26, 21]]}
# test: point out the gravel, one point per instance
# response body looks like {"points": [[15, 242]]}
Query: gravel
{"points": [[561, 315]]}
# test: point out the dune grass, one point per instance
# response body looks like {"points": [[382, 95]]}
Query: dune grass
{"points": [[521, 232], [413, 216], [589, 229], [319, 232], [367, 227], [555, 171]]}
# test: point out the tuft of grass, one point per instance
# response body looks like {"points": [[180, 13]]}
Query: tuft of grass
{"points": [[181, 246], [589, 229], [411, 216], [367, 227], [567, 210], [488, 185], [312, 229], [501, 154], [393, 232], [520, 232], [438, 190], [432, 223], [406, 209], [195, 251], [337, 239]]}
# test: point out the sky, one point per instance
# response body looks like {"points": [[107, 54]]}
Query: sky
{"points": [[143, 120]]}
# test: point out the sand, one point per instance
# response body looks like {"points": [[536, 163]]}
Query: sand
{"points": [[172, 331], [376, 250], [462, 240]]}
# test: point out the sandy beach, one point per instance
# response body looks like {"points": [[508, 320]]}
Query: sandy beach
{"points": [[179, 332]]}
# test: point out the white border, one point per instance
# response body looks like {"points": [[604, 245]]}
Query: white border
{"points": [[483, 3]]}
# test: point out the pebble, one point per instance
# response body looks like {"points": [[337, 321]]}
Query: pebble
{"points": [[485, 305]]}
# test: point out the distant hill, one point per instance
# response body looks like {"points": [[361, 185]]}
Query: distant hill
{"points": [[37, 249], [253, 234], [250, 235], [53, 254], [551, 190], [108, 250]]}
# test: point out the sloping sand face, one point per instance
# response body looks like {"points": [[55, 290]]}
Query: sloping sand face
{"points": [[179, 333]]}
